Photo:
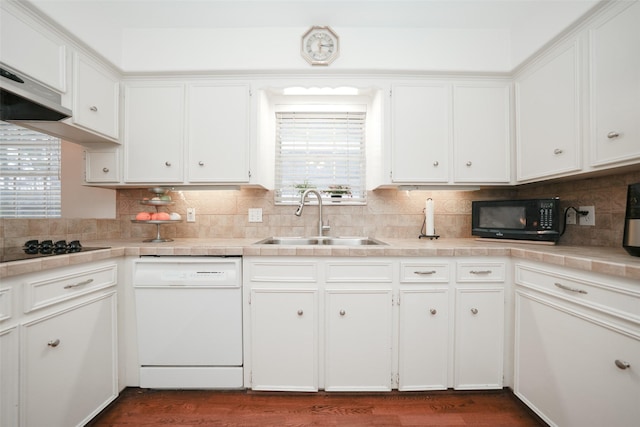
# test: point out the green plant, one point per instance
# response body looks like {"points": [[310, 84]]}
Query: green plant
{"points": [[338, 189], [304, 186]]}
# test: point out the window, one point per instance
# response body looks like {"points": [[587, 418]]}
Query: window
{"points": [[321, 150], [30, 173]]}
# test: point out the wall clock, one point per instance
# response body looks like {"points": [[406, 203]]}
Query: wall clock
{"points": [[320, 45]]}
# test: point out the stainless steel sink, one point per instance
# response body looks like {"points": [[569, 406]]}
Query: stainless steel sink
{"points": [[343, 241]]}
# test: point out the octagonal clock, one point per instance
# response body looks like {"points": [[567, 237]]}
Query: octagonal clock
{"points": [[320, 45]]}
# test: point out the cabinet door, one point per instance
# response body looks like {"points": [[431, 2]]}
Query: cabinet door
{"points": [[96, 98], [154, 131], [548, 116], [615, 83], [565, 366], [420, 133], [102, 166], [284, 340], [31, 49], [358, 340], [479, 338], [68, 365], [481, 133], [9, 377], [424, 339], [218, 133]]}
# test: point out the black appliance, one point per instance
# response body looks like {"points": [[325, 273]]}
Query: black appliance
{"points": [[35, 249], [532, 219], [631, 237]]}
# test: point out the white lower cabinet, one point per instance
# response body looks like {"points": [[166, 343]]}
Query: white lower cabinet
{"points": [[68, 364], [9, 377], [577, 346], [423, 339], [284, 339], [358, 340]]}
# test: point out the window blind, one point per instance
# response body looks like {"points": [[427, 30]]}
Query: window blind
{"points": [[30, 173], [321, 150]]}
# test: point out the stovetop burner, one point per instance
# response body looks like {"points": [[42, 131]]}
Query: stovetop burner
{"points": [[36, 249]]}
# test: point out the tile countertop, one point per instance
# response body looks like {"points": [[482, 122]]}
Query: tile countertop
{"points": [[612, 261]]}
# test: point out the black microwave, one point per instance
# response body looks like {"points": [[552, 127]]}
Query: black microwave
{"points": [[533, 219]]}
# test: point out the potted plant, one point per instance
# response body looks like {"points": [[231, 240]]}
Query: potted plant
{"points": [[336, 191], [304, 186]]}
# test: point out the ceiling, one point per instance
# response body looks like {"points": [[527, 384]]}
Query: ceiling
{"points": [[101, 23]]}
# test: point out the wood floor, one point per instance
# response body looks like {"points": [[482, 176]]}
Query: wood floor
{"points": [[182, 408]]}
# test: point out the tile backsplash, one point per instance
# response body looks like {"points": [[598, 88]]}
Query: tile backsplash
{"points": [[388, 213]]}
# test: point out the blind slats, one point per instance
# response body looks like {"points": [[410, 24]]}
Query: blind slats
{"points": [[30, 173], [325, 151]]}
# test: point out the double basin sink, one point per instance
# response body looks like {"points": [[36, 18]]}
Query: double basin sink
{"points": [[321, 240]]}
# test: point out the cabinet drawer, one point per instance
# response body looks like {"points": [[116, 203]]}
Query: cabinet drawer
{"points": [[41, 293], [359, 272], [289, 271], [6, 308], [424, 272], [598, 295], [480, 272]]}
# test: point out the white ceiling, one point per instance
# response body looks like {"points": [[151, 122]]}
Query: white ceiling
{"points": [[102, 23]]}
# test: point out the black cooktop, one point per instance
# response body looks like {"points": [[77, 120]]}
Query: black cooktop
{"points": [[46, 248]]}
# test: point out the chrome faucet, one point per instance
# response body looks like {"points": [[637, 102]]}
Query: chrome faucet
{"points": [[321, 227]]}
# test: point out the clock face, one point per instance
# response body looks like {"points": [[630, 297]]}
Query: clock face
{"points": [[320, 45]]}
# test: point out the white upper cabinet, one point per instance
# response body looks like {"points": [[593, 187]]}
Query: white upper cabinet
{"points": [[614, 50], [481, 132], [29, 47], [154, 132], [548, 115], [218, 132], [96, 94], [421, 132]]}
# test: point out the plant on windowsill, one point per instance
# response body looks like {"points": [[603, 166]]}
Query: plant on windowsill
{"points": [[304, 186], [338, 191]]}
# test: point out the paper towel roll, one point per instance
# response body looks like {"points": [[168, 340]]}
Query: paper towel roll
{"points": [[430, 228]]}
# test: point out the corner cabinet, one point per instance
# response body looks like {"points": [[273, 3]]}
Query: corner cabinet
{"points": [[614, 43], [186, 132], [577, 346], [548, 116], [451, 132]]}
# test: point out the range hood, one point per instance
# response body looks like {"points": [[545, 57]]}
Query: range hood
{"points": [[29, 104]]}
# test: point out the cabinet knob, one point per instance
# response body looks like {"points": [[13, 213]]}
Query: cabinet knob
{"points": [[300, 312], [167, 163], [622, 364], [474, 311], [557, 151], [342, 312], [105, 170], [200, 163], [469, 163], [612, 135], [56, 342], [93, 108], [433, 311], [435, 164]]}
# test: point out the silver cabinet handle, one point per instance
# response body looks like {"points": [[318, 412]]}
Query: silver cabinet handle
{"points": [[570, 289], [557, 151], [167, 163], [480, 272], [424, 273], [612, 135], [342, 312], [54, 343], [105, 170], [433, 311], [474, 311], [436, 163], [200, 163], [85, 282], [300, 312], [469, 163], [93, 108], [622, 364]]}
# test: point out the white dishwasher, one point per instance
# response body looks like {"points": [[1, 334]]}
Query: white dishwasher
{"points": [[189, 318]]}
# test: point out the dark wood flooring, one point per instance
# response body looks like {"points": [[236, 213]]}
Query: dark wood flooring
{"points": [[182, 408]]}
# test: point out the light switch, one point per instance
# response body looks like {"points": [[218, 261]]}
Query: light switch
{"points": [[255, 215]]}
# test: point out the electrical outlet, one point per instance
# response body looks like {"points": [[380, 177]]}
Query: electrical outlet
{"points": [[590, 218], [571, 217], [255, 215], [191, 214]]}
